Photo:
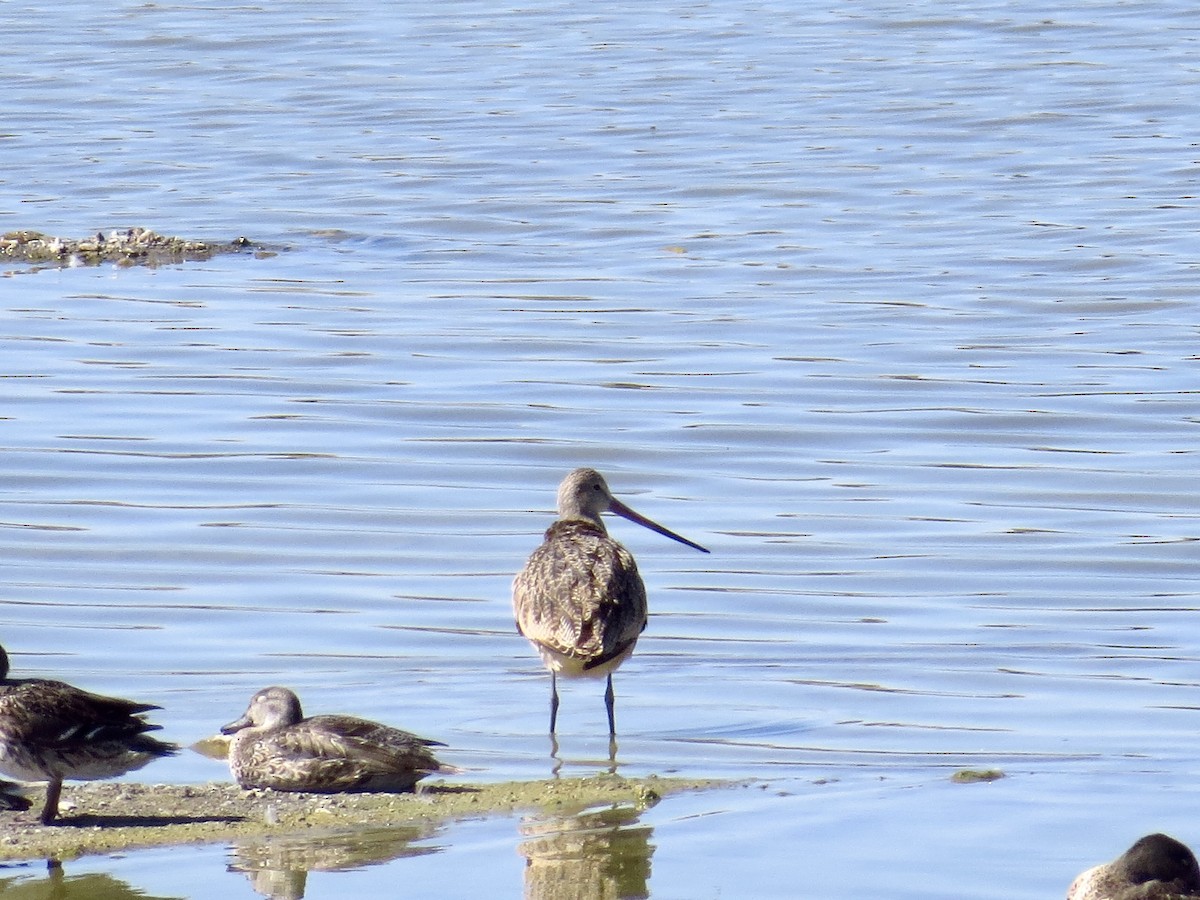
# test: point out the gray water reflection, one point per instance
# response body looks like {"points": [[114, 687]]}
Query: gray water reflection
{"points": [[278, 866], [602, 854], [56, 884]]}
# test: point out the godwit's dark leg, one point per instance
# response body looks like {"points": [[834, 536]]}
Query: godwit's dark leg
{"points": [[553, 702], [50, 810], [608, 704]]}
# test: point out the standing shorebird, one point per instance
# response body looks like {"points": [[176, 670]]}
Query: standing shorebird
{"points": [[50, 731], [579, 599]]}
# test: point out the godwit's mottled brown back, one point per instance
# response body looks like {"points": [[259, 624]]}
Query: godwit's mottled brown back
{"points": [[580, 597]]}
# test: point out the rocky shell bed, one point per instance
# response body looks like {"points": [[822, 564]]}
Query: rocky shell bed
{"points": [[127, 247], [103, 817]]}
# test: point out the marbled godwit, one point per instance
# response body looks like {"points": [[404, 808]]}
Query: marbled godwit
{"points": [[50, 731], [1156, 867], [275, 746], [579, 599]]}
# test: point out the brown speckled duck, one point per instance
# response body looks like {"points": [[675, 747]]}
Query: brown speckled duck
{"points": [[275, 746], [50, 731], [1156, 867]]}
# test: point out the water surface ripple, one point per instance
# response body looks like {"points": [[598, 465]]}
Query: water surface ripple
{"points": [[893, 309]]}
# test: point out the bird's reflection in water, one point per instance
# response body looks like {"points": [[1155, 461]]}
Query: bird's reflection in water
{"points": [[557, 762], [601, 854], [31, 882], [278, 866]]}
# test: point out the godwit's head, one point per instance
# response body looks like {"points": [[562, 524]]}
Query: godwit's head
{"points": [[584, 494]]}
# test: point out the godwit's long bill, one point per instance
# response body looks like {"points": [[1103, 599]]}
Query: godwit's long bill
{"points": [[579, 599]]}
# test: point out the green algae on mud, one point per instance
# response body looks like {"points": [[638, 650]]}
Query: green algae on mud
{"points": [[105, 817], [976, 776]]}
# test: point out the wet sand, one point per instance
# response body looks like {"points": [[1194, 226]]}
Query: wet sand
{"points": [[103, 817]]}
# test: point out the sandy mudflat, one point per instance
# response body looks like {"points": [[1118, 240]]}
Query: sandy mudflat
{"points": [[102, 817]]}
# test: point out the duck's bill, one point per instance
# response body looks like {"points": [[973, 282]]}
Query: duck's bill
{"points": [[626, 513], [243, 722]]}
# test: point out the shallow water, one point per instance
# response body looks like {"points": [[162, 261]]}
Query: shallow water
{"points": [[894, 312]]}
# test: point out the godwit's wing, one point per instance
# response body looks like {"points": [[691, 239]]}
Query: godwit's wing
{"points": [[580, 599]]}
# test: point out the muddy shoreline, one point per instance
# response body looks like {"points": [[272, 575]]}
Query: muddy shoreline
{"points": [[105, 817], [124, 247]]}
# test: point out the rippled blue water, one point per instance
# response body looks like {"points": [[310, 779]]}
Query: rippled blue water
{"points": [[893, 308]]}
